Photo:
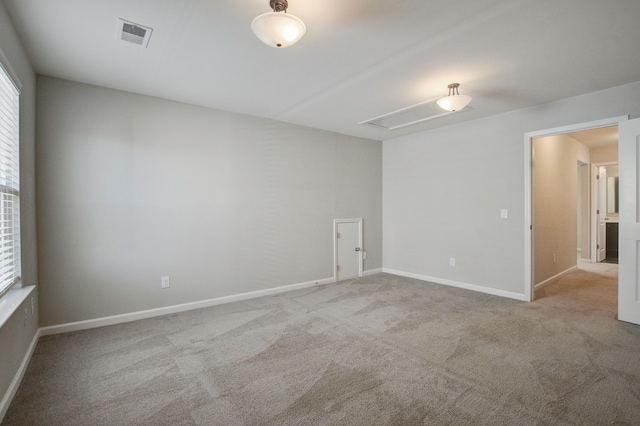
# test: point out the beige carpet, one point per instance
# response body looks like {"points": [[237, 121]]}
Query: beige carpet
{"points": [[377, 350]]}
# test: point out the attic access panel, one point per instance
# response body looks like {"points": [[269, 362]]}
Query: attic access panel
{"points": [[414, 114]]}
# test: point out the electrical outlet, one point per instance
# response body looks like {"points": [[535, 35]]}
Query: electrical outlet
{"points": [[452, 261], [555, 258], [504, 214], [26, 316], [166, 283]]}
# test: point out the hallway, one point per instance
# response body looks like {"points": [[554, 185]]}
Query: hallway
{"points": [[593, 287]]}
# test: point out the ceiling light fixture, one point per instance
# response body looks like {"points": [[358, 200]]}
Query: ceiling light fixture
{"points": [[454, 101], [278, 28]]}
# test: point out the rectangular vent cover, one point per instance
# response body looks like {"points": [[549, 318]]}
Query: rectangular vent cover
{"points": [[133, 33], [414, 114]]}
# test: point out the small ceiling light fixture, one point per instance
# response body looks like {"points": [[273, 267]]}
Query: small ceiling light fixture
{"points": [[278, 28], [454, 101]]}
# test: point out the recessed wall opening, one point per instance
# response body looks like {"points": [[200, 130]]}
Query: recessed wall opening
{"points": [[567, 207]]}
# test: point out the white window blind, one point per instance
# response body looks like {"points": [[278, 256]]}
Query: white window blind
{"points": [[9, 184]]}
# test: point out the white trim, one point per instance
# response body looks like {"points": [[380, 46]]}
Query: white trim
{"points": [[589, 125], [528, 185], [555, 278], [336, 276], [17, 379], [441, 112], [372, 272], [458, 284], [167, 310], [529, 294], [589, 201], [118, 319], [4, 63], [11, 301]]}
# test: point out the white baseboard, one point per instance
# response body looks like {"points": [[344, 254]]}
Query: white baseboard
{"points": [[554, 278], [372, 272], [17, 379], [458, 284], [150, 313]]}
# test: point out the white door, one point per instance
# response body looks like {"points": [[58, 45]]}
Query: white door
{"points": [[629, 232], [602, 213], [348, 248]]}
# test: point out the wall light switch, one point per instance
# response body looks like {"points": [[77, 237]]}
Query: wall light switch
{"points": [[452, 261], [504, 214]]}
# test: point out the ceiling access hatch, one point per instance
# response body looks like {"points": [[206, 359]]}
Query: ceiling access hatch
{"points": [[133, 33], [414, 114]]}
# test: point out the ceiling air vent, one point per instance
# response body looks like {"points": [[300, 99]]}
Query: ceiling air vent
{"points": [[410, 115], [133, 33]]}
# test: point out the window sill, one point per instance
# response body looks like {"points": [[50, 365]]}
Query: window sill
{"points": [[11, 301]]}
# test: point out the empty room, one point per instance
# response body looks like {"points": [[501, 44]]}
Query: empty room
{"points": [[319, 212]]}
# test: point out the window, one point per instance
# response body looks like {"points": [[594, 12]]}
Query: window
{"points": [[9, 184]]}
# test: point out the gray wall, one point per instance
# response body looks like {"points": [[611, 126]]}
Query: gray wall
{"points": [[444, 189], [555, 201], [131, 188], [15, 337]]}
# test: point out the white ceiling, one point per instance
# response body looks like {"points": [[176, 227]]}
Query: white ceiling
{"points": [[359, 59]]}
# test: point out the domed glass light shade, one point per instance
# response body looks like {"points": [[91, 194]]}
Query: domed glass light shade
{"points": [[278, 28], [454, 101]]}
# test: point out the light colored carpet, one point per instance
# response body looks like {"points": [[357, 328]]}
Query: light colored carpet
{"points": [[377, 350]]}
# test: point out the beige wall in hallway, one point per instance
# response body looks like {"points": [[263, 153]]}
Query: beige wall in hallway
{"points": [[555, 194], [604, 154]]}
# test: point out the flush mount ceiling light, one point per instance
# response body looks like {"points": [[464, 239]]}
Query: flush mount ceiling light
{"points": [[278, 28], [454, 101]]}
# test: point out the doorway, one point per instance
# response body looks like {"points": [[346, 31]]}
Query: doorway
{"points": [[348, 248], [605, 211], [541, 265]]}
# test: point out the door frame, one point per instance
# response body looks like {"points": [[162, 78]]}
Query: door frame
{"points": [[586, 223], [629, 228], [593, 243], [529, 291], [335, 245]]}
